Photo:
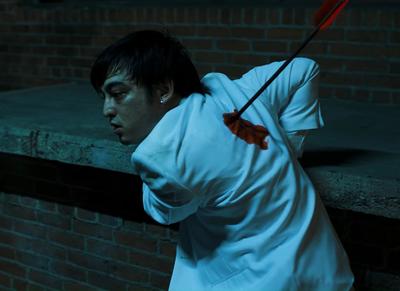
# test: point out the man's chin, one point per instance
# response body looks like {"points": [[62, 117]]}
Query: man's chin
{"points": [[124, 141]]}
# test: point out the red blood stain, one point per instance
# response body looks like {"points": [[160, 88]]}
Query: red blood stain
{"points": [[245, 130]]}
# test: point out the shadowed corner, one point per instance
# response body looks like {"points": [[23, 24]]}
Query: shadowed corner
{"points": [[334, 157]]}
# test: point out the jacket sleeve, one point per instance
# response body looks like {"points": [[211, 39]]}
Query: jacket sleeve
{"points": [[292, 96], [165, 198], [300, 109]]}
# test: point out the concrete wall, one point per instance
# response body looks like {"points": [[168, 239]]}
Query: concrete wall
{"points": [[53, 43]]}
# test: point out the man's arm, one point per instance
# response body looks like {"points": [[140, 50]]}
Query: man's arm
{"points": [[292, 96]]}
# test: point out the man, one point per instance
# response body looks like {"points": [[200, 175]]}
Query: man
{"points": [[250, 218]]}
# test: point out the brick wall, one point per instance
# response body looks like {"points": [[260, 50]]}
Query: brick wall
{"points": [[43, 44], [67, 227]]}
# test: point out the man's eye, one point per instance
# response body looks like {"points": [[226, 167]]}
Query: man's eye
{"points": [[118, 94]]}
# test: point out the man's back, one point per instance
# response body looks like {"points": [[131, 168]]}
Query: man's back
{"points": [[250, 218]]}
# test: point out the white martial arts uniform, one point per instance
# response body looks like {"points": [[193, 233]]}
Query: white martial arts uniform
{"points": [[250, 218]]}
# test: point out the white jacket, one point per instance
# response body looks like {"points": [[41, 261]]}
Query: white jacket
{"points": [[250, 218]]}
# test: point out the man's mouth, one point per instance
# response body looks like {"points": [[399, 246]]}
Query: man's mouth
{"points": [[117, 129]]}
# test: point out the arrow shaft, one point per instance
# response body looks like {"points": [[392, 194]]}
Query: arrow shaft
{"points": [[286, 63]]}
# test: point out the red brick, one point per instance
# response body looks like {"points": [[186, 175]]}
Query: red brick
{"points": [[226, 15], [392, 18], [44, 248], [300, 18], [173, 235], [67, 239], [213, 15], [5, 281], [151, 262], [19, 284], [45, 279], [7, 252], [270, 46], [204, 69], [275, 16], [183, 30], [248, 15], [248, 32], [368, 66], [164, 15], [20, 212], [378, 80], [197, 43], [92, 229], [108, 250], [28, 201], [233, 45], [86, 215], [179, 15], [191, 15], [136, 241], [285, 33], [359, 50], [160, 281], [105, 281], [288, 16], [168, 248], [248, 59], [46, 206], [54, 220], [343, 93], [68, 270], [32, 260], [12, 268], [231, 70], [31, 229], [391, 51], [110, 221], [360, 95], [332, 34], [157, 231], [214, 31], [78, 286], [237, 15], [316, 48], [365, 35], [381, 97], [261, 16], [355, 18], [395, 37], [137, 287], [6, 222], [43, 50], [130, 273], [90, 262], [210, 57]]}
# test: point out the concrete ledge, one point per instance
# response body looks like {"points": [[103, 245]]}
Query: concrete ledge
{"points": [[354, 161]]}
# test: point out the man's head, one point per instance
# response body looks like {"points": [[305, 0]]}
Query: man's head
{"points": [[141, 77]]}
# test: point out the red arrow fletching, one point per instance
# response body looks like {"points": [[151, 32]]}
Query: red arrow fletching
{"points": [[245, 130], [325, 9]]}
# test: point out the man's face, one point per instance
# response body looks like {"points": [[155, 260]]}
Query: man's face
{"points": [[128, 109]]}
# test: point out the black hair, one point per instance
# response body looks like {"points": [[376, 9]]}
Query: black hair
{"points": [[149, 57]]}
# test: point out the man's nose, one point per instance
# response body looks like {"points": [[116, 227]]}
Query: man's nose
{"points": [[109, 108]]}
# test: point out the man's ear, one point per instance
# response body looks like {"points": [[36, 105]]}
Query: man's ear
{"points": [[164, 91]]}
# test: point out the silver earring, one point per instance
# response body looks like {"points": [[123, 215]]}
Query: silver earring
{"points": [[162, 100]]}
